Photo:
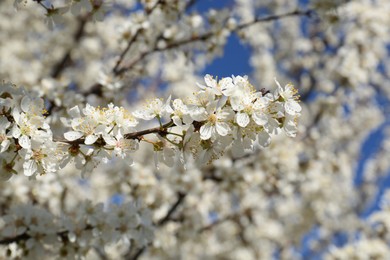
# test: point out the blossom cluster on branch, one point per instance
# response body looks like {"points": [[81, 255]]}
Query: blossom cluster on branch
{"points": [[225, 113]]}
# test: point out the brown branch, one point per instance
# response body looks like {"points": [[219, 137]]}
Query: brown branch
{"points": [[161, 222], [66, 59], [156, 49], [207, 35], [41, 4], [16, 239], [190, 4], [274, 17], [26, 236], [162, 130], [136, 255], [180, 198], [159, 2], [133, 39], [123, 54], [158, 130]]}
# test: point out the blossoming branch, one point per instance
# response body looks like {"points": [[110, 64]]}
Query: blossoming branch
{"points": [[224, 114]]}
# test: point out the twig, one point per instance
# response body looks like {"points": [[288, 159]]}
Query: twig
{"points": [[180, 198], [161, 222], [273, 18], [136, 135], [66, 59], [133, 39], [207, 35]]}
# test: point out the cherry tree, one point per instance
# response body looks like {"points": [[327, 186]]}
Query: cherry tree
{"points": [[116, 143]]}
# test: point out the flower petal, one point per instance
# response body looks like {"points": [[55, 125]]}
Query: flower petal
{"points": [[74, 112], [242, 119], [263, 138], [206, 131], [73, 135], [291, 107], [90, 139], [25, 142], [29, 167], [222, 128], [260, 118], [210, 82]]}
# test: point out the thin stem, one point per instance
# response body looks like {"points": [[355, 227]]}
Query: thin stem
{"points": [[66, 59], [41, 4], [133, 39], [159, 121], [170, 133], [207, 35], [273, 18], [173, 143], [161, 222], [136, 135]]}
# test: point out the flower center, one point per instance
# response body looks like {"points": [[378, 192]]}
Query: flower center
{"points": [[212, 119], [38, 155]]}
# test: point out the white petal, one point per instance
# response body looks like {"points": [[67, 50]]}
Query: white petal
{"points": [[4, 123], [167, 107], [263, 138], [25, 103], [238, 149], [178, 104], [110, 140], [290, 128], [210, 82], [201, 86], [222, 128], [72, 135], [74, 112], [260, 118], [227, 86], [206, 131], [90, 139], [177, 121], [15, 131], [25, 142], [187, 119], [4, 145], [29, 167], [198, 113], [144, 114], [292, 107], [279, 86], [242, 119]]}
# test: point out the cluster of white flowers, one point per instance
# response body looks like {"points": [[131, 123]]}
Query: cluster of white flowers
{"points": [[223, 113], [54, 14], [25, 134], [33, 231]]}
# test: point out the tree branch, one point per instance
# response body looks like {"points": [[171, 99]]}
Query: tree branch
{"points": [[66, 59], [180, 198], [26, 236], [161, 222], [136, 135], [274, 17], [134, 38], [208, 35]]}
